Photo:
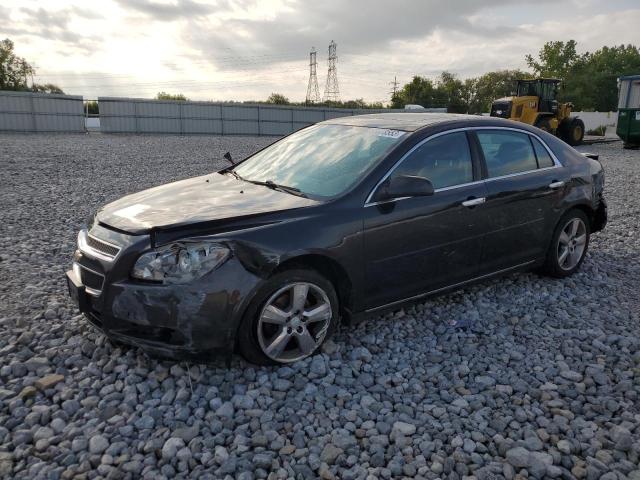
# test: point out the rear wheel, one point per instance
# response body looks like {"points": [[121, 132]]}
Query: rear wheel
{"points": [[290, 317], [569, 245]]}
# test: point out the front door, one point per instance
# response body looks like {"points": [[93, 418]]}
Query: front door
{"points": [[419, 244]]}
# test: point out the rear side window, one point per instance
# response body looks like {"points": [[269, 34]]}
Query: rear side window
{"points": [[544, 159], [507, 152], [445, 161]]}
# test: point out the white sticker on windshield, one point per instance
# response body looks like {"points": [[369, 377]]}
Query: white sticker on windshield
{"points": [[391, 133]]}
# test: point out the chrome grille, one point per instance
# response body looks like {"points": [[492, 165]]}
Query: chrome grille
{"points": [[103, 247]]}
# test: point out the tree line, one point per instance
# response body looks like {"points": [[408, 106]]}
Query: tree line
{"points": [[589, 80]]}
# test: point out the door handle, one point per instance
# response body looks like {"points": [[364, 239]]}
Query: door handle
{"points": [[556, 185], [472, 202]]}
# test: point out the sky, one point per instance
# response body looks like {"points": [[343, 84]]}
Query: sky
{"points": [[247, 49]]}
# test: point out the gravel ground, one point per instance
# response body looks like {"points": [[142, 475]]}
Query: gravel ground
{"points": [[544, 383]]}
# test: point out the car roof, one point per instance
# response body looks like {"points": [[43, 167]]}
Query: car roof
{"points": [[409, 121]]}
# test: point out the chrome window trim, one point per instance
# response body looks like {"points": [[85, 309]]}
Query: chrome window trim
{"points": [[557, 163]]}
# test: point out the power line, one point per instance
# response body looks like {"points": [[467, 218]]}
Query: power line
{"points": [[331, 89]]}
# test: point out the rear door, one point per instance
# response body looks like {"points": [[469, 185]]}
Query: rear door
{"points": [[419, 244], [524, 184]]}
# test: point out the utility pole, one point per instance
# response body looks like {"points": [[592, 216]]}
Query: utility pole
{"points": [[331, 89], [313, 94]]}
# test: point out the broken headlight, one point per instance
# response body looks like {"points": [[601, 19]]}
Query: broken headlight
{"points": [[180, 262]]}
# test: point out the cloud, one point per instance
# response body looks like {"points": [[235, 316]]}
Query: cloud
{"points": [[54, 25], [5, 14], [163, 11], [358, 26], [241, 49]]}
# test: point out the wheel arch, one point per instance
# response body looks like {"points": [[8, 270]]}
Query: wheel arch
{"points": [[587, 210], [583, 207], [331, 269]]}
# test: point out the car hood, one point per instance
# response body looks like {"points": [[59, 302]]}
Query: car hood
{"points": [[195, 200]]}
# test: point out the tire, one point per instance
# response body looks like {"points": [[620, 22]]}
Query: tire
{"points": [[572, 131], [276, 330], [544, 124], [563, 258]]}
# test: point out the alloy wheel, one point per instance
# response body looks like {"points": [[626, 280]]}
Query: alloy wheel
{"points": [[571, 244], [294, 322]]}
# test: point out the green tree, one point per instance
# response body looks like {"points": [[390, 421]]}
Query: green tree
{"points": [[592, 84], [453, 92], [278, 99], [589, 79], [419, 91], [14, 70], [555, 59], [178, 97]]}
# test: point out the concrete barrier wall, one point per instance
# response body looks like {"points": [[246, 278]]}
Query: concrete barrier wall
{"points": [[40, 112], [127, 115], [593, 120]]}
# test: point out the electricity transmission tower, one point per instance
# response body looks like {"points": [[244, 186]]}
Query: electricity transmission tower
{"points": [[331, 89], [394, 87], [313, 94]]}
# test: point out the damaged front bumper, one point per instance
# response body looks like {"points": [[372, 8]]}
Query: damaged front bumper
{"points": [[600, 216], [193, 321]]}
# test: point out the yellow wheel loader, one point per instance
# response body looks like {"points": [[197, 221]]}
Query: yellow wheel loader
{"points": [[535, 103]]}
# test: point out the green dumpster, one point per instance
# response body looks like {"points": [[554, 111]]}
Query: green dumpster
{"points": [[629, 111]]}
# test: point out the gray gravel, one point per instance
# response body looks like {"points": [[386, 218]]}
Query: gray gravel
{"points": [[544, 383]]}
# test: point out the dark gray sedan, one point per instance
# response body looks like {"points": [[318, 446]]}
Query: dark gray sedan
{"points": [[341, 219]]}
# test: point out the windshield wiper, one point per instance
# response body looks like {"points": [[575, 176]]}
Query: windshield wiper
{"points": [[276, 186], [233, 172]]}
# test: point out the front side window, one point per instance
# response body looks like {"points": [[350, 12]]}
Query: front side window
{"points": [[322, 160], [445, 161], [507, 152]]}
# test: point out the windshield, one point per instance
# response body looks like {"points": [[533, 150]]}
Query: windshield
{"points": [[322, 160]]}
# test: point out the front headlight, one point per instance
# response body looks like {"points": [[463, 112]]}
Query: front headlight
{"points": [[180, 262]]}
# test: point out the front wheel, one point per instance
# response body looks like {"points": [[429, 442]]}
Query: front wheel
{"points": [[569, 245], [289, 318]]}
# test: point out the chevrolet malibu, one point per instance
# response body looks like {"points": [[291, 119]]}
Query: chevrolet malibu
{"points": [[344, 218]]}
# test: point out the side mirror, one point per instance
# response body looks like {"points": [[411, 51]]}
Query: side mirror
{"points": [[403, 186], [227, 157]]}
